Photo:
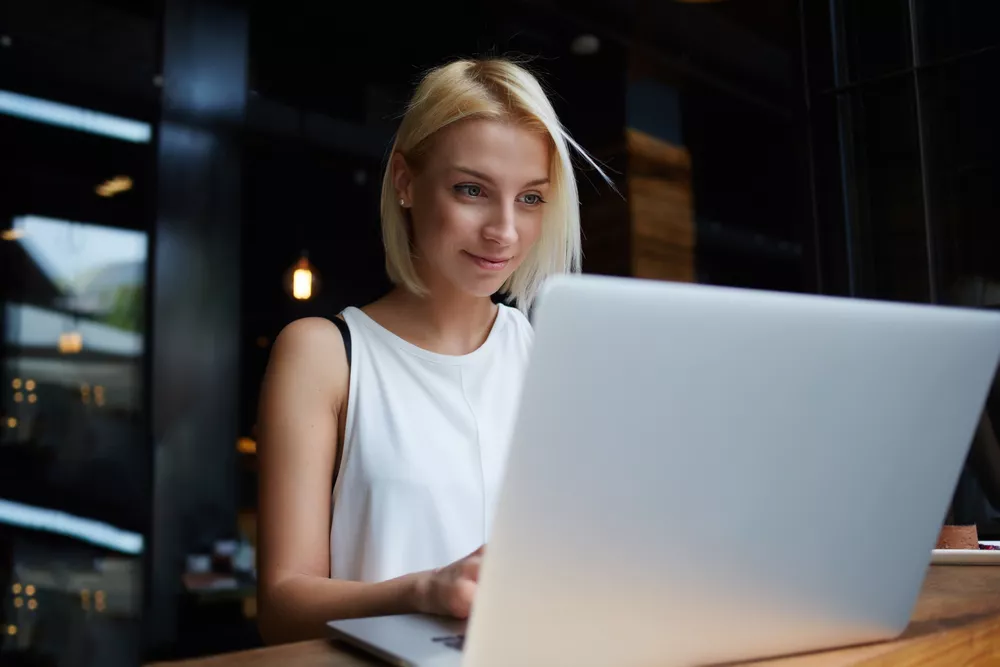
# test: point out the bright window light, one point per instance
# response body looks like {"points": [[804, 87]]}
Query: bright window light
{"points": [[75, 118], [62, 523]]}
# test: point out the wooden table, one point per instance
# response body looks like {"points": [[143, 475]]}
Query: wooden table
{"points": [[956, 622]]}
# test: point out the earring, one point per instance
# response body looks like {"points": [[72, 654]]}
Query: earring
{"points": [[402, 203]]}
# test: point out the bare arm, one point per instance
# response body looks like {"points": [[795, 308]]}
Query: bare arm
{"points": [[304, 391], [304, 388]]}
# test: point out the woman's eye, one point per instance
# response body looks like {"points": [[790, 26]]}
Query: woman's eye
{"points": [[469, 190], [532, 199]]}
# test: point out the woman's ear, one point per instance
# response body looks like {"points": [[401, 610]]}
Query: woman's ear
{"points": [[402, 180]]}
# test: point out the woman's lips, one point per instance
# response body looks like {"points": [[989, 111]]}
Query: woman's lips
{"points": [[489, 263]]}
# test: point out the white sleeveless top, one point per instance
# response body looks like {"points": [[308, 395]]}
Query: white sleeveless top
{"points": [[425, 444]]}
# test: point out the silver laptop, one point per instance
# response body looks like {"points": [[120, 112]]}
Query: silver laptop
{"points": [[701, 475]]}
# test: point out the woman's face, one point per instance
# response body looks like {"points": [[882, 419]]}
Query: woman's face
{"points": [[476, 203]]}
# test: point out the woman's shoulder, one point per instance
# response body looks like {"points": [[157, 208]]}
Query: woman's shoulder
{"points": [[307, 372], [310, 343], [308, 331]]}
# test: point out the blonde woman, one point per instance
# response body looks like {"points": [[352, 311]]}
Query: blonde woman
{"points": [[384, 431]]}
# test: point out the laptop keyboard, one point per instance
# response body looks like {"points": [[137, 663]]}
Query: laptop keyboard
{"points": [[456, 642]]}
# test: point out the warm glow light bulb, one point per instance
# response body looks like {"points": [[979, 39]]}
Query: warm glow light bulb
{"points": [[302, 284], [301, 280]]}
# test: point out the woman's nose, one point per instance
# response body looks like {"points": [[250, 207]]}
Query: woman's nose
{"points": [[502, 227]]}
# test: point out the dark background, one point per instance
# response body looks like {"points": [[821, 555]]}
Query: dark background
{"points": [[844, 147]]}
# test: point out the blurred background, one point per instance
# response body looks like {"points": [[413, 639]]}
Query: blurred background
{"points": [[182, 178]]}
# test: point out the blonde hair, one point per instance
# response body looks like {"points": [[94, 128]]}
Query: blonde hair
{"points": [[502, 90]]}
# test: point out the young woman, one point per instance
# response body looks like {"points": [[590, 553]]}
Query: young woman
{"points": [[383, 432]]}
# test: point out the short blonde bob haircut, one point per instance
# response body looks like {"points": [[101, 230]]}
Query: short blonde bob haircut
{"points": [[501, 90]]}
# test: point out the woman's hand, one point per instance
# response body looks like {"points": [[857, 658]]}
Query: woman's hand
{"points": [[450, 591]]}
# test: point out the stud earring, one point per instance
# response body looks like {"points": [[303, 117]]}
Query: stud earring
{"points": [[402, 203]]}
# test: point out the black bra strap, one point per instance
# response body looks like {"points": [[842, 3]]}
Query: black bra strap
{"points": [[345, 331]]}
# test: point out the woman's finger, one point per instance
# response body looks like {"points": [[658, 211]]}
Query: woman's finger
{"points": [[470, 568], [464, 595]]}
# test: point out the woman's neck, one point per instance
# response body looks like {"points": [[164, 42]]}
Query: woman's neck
{"points": [[445, 321]]}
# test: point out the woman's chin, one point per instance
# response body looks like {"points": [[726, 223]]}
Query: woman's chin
{"points": [[484, 288], [486, 292]]}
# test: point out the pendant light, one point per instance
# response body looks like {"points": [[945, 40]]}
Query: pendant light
{"points": [[301, 280]]}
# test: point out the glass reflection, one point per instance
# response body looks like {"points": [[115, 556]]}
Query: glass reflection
{"points": [[65, 604], [74, 333], [74, 118], [73, 472]]}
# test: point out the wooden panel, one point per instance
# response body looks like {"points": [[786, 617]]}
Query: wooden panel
{"points": [[661, 209], [647, 152], [665, 263], [604, 216]]}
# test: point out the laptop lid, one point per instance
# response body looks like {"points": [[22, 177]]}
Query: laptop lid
{"points": [[705, 474]]}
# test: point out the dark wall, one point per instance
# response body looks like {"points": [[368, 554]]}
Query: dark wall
{"points": [[907, 136], [301, 198], [731, 96], [906, 128], [196, 292]]}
